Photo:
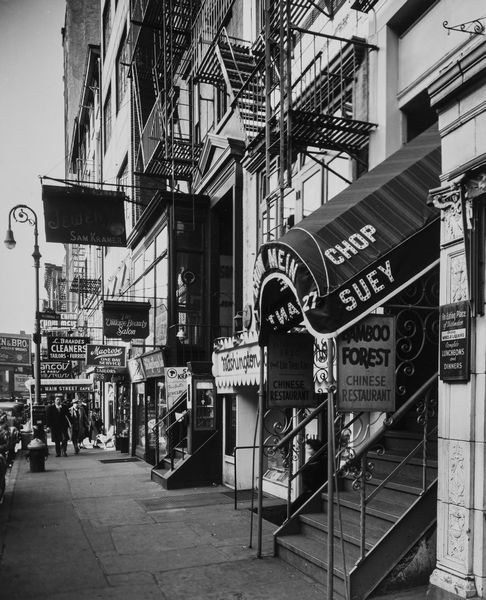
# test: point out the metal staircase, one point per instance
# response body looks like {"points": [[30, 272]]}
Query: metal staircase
{"points": [[385, 506]]}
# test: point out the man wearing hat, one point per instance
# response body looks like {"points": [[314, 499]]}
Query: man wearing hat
{"points": [[79, 424], [58, 420]]}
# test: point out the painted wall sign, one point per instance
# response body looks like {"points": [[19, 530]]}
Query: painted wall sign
{"points": [[66, 348], [15, 349], [153, 364], [75, 215], [454, 344], [366, 365], [59, 369], [290, 370], [175, 384], [126, 320], [105, 356]]}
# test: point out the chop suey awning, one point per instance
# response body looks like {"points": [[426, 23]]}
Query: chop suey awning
{"points": [[356, 251]]}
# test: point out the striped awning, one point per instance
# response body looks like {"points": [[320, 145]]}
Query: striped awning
{"points": [[356, 251]]}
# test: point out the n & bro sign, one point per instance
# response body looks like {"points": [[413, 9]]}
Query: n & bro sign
{"points": [[366, 365]]}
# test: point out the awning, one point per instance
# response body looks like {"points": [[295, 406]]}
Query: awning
{"points": [[356, 251]]}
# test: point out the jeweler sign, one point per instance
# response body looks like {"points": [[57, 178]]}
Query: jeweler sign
{"points": [[290, 381], [105, 356], [66, 348], [366, 365], [454, 342]]}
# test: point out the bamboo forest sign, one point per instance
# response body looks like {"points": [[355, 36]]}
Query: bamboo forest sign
{"points": [[366, 365]]}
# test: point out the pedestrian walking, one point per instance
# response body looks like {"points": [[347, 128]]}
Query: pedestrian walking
{"points": [[79, 424], [58, 420]]}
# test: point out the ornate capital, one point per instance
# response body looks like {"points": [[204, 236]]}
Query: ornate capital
{"points": [[475, 185]]}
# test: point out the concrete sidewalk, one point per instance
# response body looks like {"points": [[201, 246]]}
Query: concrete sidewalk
{"points": [[87, 529]]}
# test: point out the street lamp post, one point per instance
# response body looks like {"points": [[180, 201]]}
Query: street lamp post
{"points": [[24, 214]]}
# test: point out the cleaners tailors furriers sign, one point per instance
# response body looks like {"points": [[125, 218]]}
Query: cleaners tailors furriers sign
{"points": [[126, 320], [366, 365]]}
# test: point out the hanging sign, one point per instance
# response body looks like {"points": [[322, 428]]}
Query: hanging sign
{"points": [[76, 215], [366, 365], [59, 369], [126, 320], [175, 384], [66, 348], [290, 370], [105, 356], [454, 342], [15, 349], [153, 364], [135, 369]]}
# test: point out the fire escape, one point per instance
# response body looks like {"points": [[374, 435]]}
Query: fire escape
{"points": [[297, 90], [159, 38]]}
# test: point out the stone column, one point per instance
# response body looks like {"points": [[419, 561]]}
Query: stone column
{"points": [[460, 570]]}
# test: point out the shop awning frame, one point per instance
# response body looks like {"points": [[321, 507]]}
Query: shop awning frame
{"points": [[355, 252]]}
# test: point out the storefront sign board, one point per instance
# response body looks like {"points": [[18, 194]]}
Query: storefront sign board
{"points": [[126, 320], [454, 345], [105, 356], [56, 369], [153, 364], [66, 348], [290, 370], [366, 365], [175, 384], [15, 349]]}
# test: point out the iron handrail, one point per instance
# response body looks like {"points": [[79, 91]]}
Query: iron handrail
{"points": [[310, 417]]}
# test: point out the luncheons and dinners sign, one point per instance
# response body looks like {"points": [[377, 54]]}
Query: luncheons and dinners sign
{"points": [[366, 365], [290, 370], [15, 349], [454, 342], [76, 215], [105, 356], [126, 320]]}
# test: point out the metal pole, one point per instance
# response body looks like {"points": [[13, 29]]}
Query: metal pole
{"points": [[37, 334], [330, 469], [261, 397]]}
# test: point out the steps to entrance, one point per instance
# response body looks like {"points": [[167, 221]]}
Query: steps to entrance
{"points": [[303, 541]]}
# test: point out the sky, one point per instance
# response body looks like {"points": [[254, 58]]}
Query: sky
{"points": [[31, 144]]}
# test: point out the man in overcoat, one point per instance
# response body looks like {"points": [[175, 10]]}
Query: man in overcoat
{"points": [[58, 420], [79, 424]]}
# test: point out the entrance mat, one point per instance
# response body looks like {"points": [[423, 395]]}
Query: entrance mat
{"points": [[187, 501], [241, 495], [119, 460]]}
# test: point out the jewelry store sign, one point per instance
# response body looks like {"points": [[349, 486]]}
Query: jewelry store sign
{"points": [[454, 342], [366, 365]]}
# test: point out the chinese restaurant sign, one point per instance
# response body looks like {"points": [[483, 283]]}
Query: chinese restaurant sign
{"points": [[366, 365], [14, 349], [454, 342], [75, 215], [66, 348], [290, 370], [126, 320], [105, 356]]}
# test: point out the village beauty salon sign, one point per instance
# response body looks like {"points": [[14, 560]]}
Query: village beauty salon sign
{"points": [[126, 320], [366, 365], [80, 215]]}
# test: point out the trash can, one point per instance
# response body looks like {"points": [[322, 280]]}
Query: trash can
{"points": [[37, 454]]}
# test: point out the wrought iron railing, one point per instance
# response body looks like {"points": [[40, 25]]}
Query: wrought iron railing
{"points": [[169, 423]]}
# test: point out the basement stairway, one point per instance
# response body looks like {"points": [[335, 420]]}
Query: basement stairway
{"points": [[380, 544]]}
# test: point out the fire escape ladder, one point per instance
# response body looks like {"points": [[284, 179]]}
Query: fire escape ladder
{"points": [[158, 50], [363, 5]]}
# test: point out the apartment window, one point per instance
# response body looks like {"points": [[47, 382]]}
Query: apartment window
{"points": [[107, 121], [107, 23], [121, 72]]}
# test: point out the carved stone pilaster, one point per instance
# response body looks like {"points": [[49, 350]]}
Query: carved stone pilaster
{"points": [[457, 476], [449, 201], [458, 287]]}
